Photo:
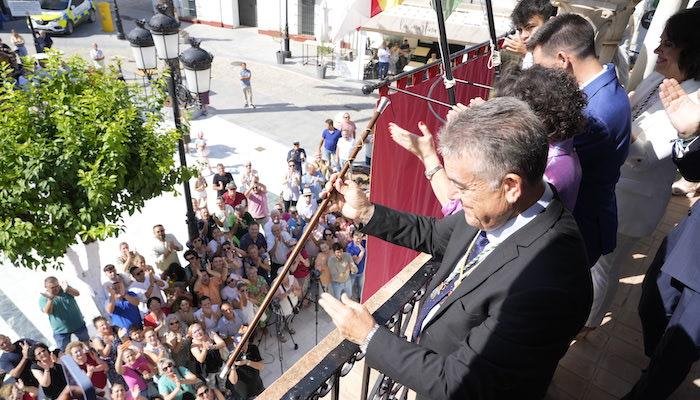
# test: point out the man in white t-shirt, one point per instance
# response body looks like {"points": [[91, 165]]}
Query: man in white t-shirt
{"points": [[345, 145], [146, 286], [383, 56]]}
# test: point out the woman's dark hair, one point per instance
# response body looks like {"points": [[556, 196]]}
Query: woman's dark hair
{"points": [[37, 345], [552, 94], [151, 300], [683, 31]]}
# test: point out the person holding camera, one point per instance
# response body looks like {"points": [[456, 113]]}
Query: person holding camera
{"points": [[244, 380]]}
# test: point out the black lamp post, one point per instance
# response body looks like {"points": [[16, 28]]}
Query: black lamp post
{"points": [[118, 21], [285, 36], [165, 36]]}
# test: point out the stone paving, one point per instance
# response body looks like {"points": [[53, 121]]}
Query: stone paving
{"points": [[608, 361]]}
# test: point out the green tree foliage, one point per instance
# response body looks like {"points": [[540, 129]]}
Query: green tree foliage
{"points": [[79, 149]]}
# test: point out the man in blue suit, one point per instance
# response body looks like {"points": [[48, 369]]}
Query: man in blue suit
{"points": [[567, 41]]}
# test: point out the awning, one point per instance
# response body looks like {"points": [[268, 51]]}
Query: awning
{"points": [[462, 27]]}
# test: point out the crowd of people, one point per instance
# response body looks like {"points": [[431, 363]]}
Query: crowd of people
{"points": [[168, 324]]}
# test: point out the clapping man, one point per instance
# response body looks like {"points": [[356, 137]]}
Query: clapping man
{"points": [[165, 248], [58, 302], [15, 361]]}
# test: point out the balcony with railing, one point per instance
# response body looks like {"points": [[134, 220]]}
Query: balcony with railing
{"points": [[603, 365]]}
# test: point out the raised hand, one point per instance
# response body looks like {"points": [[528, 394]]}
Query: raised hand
{"points": [[420, 146], [135, 392], [682, 111], [25, 348], [515, 44]]}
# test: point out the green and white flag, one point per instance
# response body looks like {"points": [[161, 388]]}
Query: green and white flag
{"points": [[448, 6]]}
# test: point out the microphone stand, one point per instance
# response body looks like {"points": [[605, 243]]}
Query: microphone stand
{"points": [[291, 259]]}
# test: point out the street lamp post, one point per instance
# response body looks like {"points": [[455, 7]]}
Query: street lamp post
{"points": [[165, 36], [118, 21], [285, 49], [197, 63], [144, 51]]}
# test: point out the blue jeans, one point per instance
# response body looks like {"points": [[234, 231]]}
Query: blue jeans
{"points": [[62, 339], [382, 69], [331, 158], [338, 288], [358, 281]]}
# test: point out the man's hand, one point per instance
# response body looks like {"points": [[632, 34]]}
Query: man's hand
{"points": [[352, 319], [682, 111], [515, 44], [349, 199], [25, 348]]}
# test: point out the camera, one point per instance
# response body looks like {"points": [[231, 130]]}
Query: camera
{"points": [[315, 274]]}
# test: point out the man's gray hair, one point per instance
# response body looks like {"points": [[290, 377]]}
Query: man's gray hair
{"points": [[500, 136]]}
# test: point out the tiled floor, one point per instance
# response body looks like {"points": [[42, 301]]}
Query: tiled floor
{"points": [[606, 363]]}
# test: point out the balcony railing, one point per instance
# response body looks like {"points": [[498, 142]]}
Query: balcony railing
{"points": [[320, 371]]}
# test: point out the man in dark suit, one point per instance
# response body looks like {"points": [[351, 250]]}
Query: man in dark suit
{"points": [[513, 287], [567, 42]]}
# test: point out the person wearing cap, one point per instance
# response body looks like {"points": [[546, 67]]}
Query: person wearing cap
{"points": [[306, 206], [232, 196], [297, 155], [313, 179], [296, 223]]}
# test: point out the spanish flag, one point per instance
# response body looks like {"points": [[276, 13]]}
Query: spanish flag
{"points": [[378, 6]]}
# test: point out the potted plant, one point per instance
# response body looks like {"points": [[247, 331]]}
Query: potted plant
{"points": [[323, 51]]}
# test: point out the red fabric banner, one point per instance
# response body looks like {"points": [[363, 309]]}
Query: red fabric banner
{"points": [[398, 179]]}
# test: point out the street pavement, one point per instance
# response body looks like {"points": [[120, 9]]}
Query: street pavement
{"points": [[292, 104]]}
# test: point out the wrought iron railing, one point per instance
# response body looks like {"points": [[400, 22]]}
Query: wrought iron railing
{"points": [[320, 372]]}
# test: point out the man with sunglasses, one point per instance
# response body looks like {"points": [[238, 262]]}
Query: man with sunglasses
{"points": [[204, 392], [297, 155], [146, 286]]}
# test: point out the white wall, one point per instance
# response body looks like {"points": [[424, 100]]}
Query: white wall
{"points": [[221, 11]]}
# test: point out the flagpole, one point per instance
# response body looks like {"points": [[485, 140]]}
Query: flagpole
{"points": [[445, 52]]}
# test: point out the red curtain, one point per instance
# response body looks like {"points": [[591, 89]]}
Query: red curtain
{"points": [[398, 179]]}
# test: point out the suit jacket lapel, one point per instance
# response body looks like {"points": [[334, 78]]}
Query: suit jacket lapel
{"points": [[501, 255]]}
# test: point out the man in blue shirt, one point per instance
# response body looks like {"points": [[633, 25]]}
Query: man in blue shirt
{"points": [[567, 42], [329, 143], [356, 248], [122, 306]]}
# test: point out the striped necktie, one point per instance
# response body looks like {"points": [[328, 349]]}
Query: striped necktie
{"points": [[446, 287]]}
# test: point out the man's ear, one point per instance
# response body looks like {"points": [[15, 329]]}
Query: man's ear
{"points": [[512, 187], [563, 60]]}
